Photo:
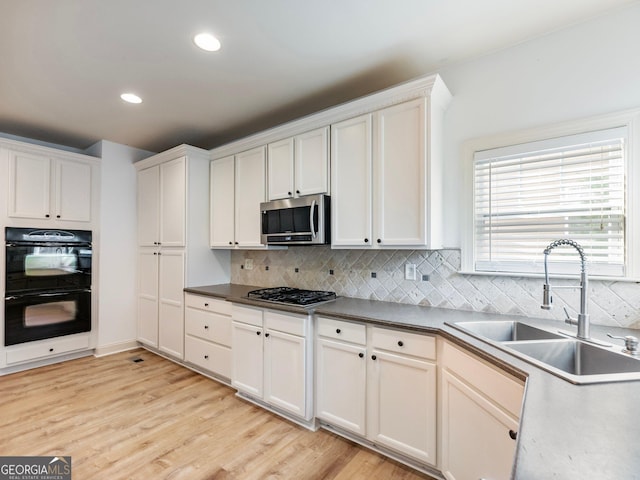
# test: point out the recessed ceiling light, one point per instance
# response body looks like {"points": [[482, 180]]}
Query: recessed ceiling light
{"points": [[207, 42], [131, 98]]}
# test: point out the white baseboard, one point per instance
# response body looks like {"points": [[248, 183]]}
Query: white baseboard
{"points": [[102, 350]]}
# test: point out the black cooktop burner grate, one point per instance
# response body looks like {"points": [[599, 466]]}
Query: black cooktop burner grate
{"points": [[291, 296]]}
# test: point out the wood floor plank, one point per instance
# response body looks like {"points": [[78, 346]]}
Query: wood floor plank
{"points": [[119, 419]]}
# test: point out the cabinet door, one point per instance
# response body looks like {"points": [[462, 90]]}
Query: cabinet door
{"points": [[285, 372], [170, 302], [280, 169], [247, 359], [73, 191], [341, 385], [403, 405], [149, 206], [351, 183], [400, 173], [312, 162], [222, 187], [173, 203], [148, 297], [476, 440], [249, 193], [30, 183]]}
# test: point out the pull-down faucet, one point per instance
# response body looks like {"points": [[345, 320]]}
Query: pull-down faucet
{"points": [[583, 317]]}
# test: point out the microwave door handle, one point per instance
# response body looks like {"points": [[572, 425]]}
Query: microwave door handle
{"points": [[313, 227]]}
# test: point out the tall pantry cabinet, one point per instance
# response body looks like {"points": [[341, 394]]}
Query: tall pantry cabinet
{"points": [[173, 244]]}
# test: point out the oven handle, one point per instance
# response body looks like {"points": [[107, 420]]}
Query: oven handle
{"points": [[48, 244], [313, 227], [53, 294]]}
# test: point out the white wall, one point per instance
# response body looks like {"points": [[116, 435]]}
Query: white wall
{"points": [[589, 69], [117, 249]]}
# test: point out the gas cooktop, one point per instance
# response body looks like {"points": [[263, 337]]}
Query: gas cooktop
{"points": [[292, 296]]}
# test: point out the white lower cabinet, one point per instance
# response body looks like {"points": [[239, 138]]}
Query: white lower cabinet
{"points": [[379, 384], [480, 414], [271, 358], [207, 340]]}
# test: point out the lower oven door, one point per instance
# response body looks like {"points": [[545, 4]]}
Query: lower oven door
{"points": [[41, 315]]}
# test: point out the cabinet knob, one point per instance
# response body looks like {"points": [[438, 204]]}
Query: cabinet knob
{"points": [[206, 327], [57, 216], [373, 357], [51, 349], [298, 192], [230, 243], [47, 215], [338, 330], [379, 240], [206, 357], [361, 355], [289, 193], [155, 253], [400, 343], [366, 240], [513, 434], [258, 333], [236, 243], [206, 304], [266, 334]]}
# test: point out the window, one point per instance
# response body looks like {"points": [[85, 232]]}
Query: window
{"points": [[528, 194]]}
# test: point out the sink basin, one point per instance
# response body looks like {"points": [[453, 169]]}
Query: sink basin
{"points": [[505, 331], [578, 358], [573, 360]]}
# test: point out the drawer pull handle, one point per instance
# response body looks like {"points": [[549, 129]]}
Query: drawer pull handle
{"points": [[400, 343], [373, 357], [513, 434], [361, 355], [338, 330]]}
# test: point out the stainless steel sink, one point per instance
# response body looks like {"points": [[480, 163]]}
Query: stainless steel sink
{"points": [[576, 361], [580, 359], [505, 331]]}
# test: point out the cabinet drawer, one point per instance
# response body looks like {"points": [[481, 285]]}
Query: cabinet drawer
{"points": [[423, 346], [208, 326], [210, 356], [49, 348], [286, 322], [340, 330], [495, 384], [244, 314], [210, 304]]}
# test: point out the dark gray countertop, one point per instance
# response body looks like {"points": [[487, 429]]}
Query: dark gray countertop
{"points": [[566, 431]]}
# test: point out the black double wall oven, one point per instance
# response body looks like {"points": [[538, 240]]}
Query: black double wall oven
{"points": [[47, 284]]}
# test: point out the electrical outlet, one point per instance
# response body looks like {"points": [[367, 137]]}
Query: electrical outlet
{"points": [[410, 271], [248, 263]]}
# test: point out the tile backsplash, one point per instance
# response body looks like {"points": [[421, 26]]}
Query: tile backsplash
{"points": [[379, 275]]}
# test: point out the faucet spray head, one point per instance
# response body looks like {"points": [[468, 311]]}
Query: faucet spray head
{"points": [[547, 299]]}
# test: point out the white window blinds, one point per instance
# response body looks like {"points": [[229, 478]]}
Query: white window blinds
{"points": [[527, 195]]}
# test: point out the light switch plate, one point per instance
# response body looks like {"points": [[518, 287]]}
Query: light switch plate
{"points": [[410, 271]]}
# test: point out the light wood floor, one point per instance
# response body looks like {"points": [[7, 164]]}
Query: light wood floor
{"points": [[156, 420]]}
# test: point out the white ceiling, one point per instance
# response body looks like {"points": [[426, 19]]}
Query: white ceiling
{"points": [[64, 63]]}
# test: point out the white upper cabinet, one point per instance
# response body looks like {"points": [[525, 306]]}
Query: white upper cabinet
{"points": [[385, 184], [299, 165], [162, 204], [351, 179], [47, 188], [222, 198], [237, 188]]}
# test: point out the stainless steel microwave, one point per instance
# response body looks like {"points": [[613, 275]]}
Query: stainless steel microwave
{"points": [[296, 221]]}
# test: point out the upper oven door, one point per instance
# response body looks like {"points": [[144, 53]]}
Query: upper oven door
{"points": [[47, 265]]}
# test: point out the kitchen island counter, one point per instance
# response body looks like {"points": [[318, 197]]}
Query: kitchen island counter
{"points": [[566, 431]]}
